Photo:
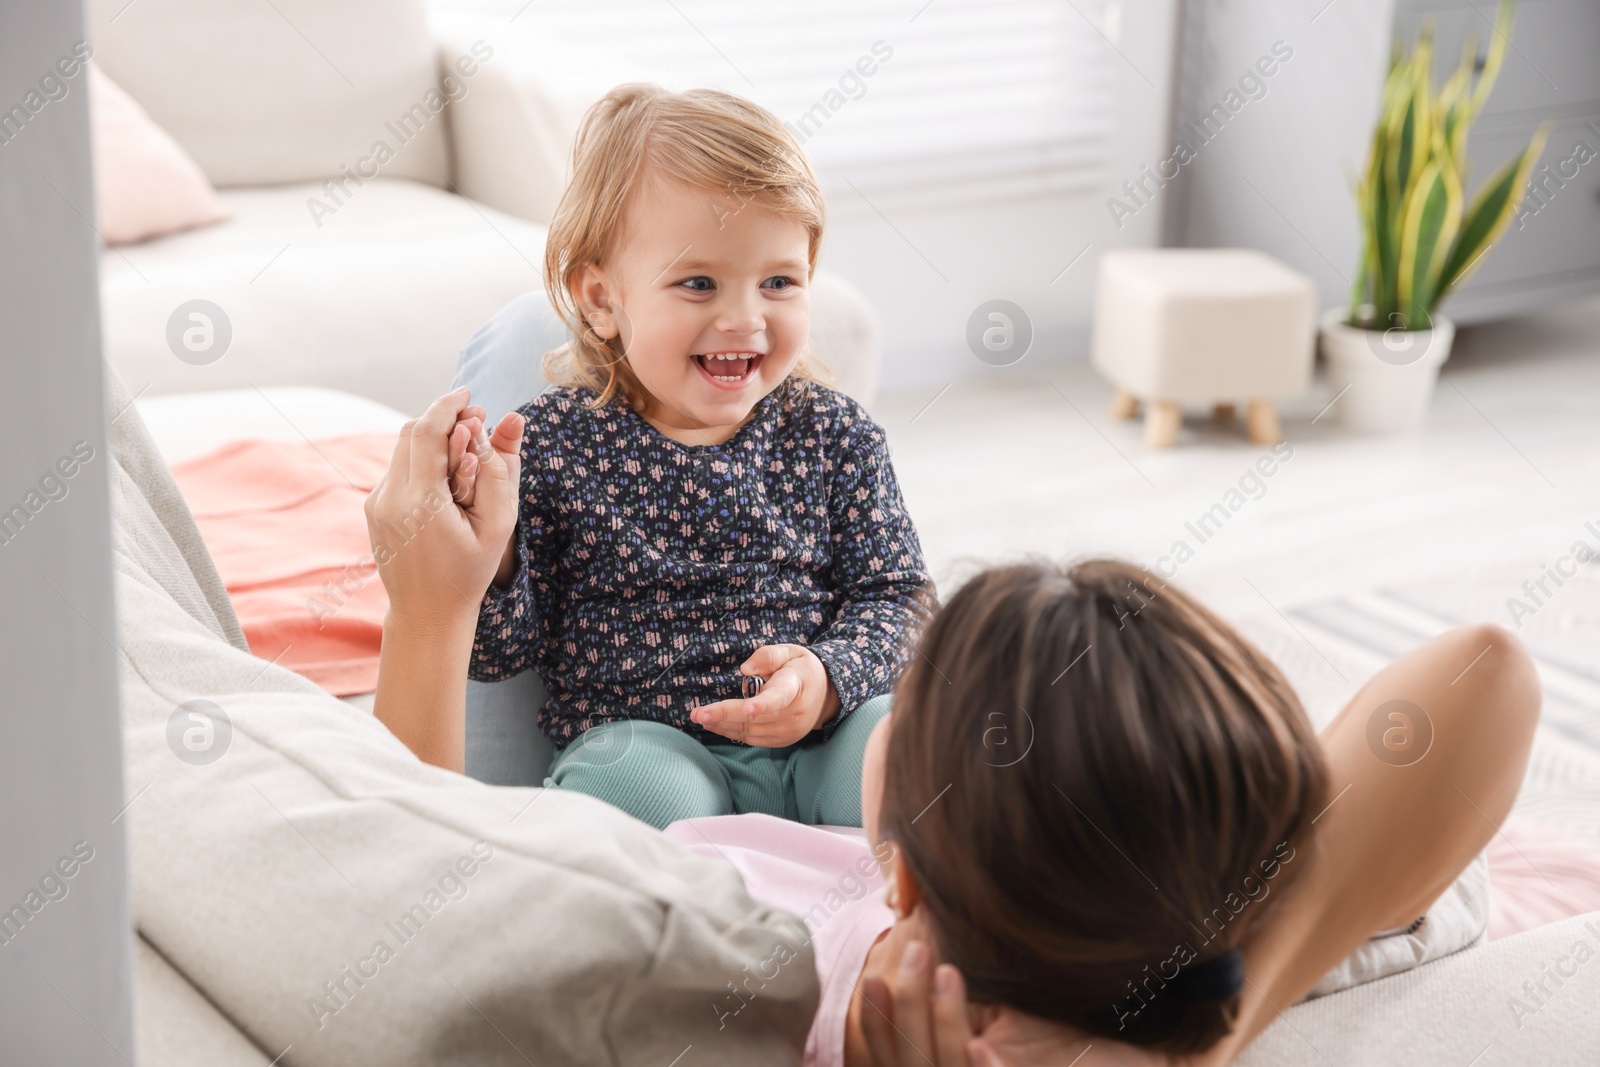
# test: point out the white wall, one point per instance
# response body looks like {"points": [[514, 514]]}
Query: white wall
{"points": [[926, 269], [1281, 174]]}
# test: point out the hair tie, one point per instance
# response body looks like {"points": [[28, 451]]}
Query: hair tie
{"points": [[1219, 978]]}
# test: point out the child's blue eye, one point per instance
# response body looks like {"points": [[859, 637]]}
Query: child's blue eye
{"points": [[699, 284], [778, 282]]}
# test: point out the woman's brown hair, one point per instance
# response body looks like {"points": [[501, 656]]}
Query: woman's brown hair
{"points": [[1129, 781], [704, 138]]}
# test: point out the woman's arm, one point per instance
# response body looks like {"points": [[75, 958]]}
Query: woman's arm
{"points": [[1425, 762], [436, 558]]}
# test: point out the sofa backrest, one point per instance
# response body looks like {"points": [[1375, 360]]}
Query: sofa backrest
{"points": [[266, 93]]}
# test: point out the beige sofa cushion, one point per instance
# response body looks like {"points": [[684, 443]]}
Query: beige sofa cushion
{"points": [[376, 301], [511, 136], [261, 93], [326, 890]]}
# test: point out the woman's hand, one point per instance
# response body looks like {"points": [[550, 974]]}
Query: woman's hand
{"points": [[909, 1021], [795, 699], [436, 556]]}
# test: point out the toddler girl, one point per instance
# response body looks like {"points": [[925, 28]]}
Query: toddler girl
{"points": [[698, 513]]}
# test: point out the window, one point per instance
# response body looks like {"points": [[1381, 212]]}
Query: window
{"points": [[932, 100]]}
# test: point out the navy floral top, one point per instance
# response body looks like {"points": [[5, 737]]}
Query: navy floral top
{"points": [[648, 570]]}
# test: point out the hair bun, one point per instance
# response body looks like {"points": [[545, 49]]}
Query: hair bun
{"points": [[1217, 979]]}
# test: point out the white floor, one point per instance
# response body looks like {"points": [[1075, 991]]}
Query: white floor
{"points": [[1508, 468]]}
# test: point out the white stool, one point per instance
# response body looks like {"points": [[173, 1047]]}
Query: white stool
{"points": [[1202, 325]]}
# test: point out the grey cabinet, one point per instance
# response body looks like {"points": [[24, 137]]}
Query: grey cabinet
{"points": [[1282, 179]]}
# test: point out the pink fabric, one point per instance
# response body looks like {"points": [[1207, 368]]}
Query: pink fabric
{"points": [[145, 184], [1539, 876], [283, 521], [826, 875]]}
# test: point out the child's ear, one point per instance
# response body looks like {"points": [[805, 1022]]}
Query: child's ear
{"points": [[592, 292]]}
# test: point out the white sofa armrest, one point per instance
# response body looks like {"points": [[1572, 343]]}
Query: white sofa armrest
{"points": [[511, 132]]}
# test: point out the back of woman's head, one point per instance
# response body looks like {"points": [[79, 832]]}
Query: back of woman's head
{"points": [[1128, 783]]}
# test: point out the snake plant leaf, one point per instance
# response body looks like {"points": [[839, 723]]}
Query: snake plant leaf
{"points": [[1428, 231], [1402, 146], [1422, 90], [1379, 254], [1454, 106], [1496, 56], [1491, 212]]}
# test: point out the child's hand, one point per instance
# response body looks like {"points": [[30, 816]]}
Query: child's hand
{"points": [[796, 699], [468, 443]]}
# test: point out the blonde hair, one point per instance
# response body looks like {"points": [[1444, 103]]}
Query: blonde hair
{"points": [[704, 138]]}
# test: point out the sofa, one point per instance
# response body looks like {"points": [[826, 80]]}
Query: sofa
{"points": [[265, 879], [366, 284]]}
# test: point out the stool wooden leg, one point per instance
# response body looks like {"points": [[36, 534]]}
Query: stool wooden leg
{"points": [[1124, 405], [1223, 410], [1162, 418], [1261, 423]]}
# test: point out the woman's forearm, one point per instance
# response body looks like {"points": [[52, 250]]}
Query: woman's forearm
{"points": [[422, 685]]}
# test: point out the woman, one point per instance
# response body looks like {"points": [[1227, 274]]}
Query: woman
{"points": [[1066, 918]]}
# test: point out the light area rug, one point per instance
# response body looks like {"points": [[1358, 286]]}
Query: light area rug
{"points": [[1329, 648]]}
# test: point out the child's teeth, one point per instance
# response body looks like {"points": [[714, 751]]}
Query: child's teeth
{"points": [[740, 362]]}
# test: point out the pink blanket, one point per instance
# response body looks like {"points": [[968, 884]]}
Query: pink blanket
{"points": [[1539, 876], [283, 521]]}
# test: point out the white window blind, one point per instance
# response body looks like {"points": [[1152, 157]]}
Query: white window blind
{"points": [[964, 98]]}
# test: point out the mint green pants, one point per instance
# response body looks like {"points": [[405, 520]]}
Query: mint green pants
{"points": [[659, 774]]}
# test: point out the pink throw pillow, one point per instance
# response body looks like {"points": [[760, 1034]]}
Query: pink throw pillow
{"points": [[146, 185]]}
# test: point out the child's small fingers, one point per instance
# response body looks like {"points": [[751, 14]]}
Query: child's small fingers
{"points": [[460, 438], [766, 660], [733, 731], [464, 483], [767, 735], [723, 711], [781, 690], [507, 435]]}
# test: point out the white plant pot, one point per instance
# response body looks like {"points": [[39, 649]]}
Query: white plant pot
{"points": [[1383, 378]]}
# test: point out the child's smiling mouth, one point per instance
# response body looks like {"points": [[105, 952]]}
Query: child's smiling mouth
{"points": [[728, 370]]}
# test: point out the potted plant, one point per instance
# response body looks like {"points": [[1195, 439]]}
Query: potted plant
{"points": [[1420, 239]]}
